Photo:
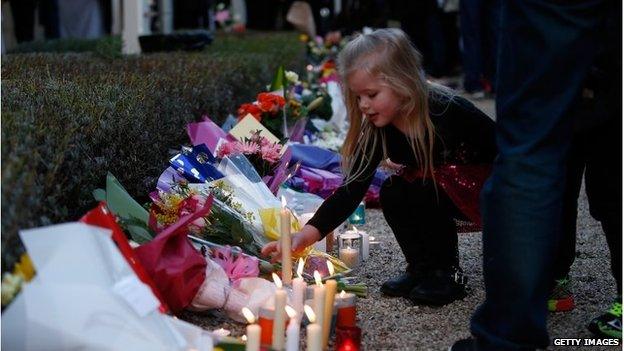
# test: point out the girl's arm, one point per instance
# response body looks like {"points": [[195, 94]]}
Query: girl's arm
{"points": [[334, 210]]}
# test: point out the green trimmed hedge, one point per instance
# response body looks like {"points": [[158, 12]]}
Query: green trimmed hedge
{"points": [[69, 118]]}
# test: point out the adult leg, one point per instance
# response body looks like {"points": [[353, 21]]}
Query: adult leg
{"points": [[546, 50], [471, 20], [566, 247]]}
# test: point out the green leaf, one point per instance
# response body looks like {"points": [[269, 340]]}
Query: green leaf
{"points": [[278, 80]]}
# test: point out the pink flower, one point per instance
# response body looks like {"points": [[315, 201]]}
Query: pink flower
{"points": [[264, 142], [222, 16], [247, 147], [271, 152], [226, 149]]}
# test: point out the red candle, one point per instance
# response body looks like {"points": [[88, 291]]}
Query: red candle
{"points": [[346, 310], [348, 338], [265, 320]]}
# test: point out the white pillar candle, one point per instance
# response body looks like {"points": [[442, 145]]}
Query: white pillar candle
{"points": [[292, 332], [252, 332], [314, 332], [330, 293], [349, 256], [279, 320], [286, 244], [299, 290], [319, 299]]}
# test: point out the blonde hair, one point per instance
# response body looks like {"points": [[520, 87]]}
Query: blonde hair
{"points": [[389, 54]]}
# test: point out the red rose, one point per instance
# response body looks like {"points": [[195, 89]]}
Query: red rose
{"points": [[270, 103], [252, 109], [329, 64]]}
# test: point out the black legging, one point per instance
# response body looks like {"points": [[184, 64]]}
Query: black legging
{"points": [[422, 222]]}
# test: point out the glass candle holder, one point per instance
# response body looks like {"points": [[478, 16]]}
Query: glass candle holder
{"points": [[359, 216], [350, 249], [265, 320], [348, 339]]}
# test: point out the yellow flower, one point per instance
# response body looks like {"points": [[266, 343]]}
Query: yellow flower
{"points": [[11, 285], [24, 268], [303, 38]]}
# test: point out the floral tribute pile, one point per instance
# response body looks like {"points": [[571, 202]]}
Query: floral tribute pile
{"points": [[196, 244]]}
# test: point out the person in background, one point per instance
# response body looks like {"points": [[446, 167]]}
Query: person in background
{"points": [[546, 51], [478, 27], [596, 153]]}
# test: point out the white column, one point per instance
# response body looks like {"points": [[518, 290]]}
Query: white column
{"points": [[117, 21], [132, 26], [165, 15]]}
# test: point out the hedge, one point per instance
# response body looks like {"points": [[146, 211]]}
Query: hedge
{"points": [[69, 118]]}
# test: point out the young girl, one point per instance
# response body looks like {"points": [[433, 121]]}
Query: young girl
{"points": [[445, 147]]}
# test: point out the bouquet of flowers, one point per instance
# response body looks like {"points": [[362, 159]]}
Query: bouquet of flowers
{"points": [[262, 154], [228, 19], [227, 222], [319, 49]]}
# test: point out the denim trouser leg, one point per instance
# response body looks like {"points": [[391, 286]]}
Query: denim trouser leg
{"points": [[546, 50], [471, 25]]}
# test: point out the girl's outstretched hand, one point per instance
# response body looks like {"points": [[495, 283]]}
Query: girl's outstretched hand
{"points": [[306, 237]]}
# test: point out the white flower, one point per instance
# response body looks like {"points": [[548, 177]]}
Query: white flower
{"points": [[292, 76]]}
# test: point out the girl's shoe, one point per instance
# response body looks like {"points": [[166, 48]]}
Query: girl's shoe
{"points": [[439, 288], [609, 324], [401, 285], [561, 298]]}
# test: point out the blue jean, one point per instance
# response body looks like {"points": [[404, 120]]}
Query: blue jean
{"points": [[546, 49], [479, 26]]}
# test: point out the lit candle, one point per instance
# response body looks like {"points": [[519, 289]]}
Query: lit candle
{"points": [[286, 243], [253, 331], [299, 288], [330, 292], [349, 256], [314, 331], [292, 332], [319, 299], [348, 339], [346, 310], [279, 320]]}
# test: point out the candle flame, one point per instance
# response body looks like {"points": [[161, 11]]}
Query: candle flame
{"points": [[355, 229], [283, 202], [249, 315], [310, 313], [300, 267], [244, 337], [290, 312], [317, 278], [342, 294], [277, 281], [330, 268]]}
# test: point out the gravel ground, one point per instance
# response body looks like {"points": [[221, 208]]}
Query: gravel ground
{"points": [[394, 324]]}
